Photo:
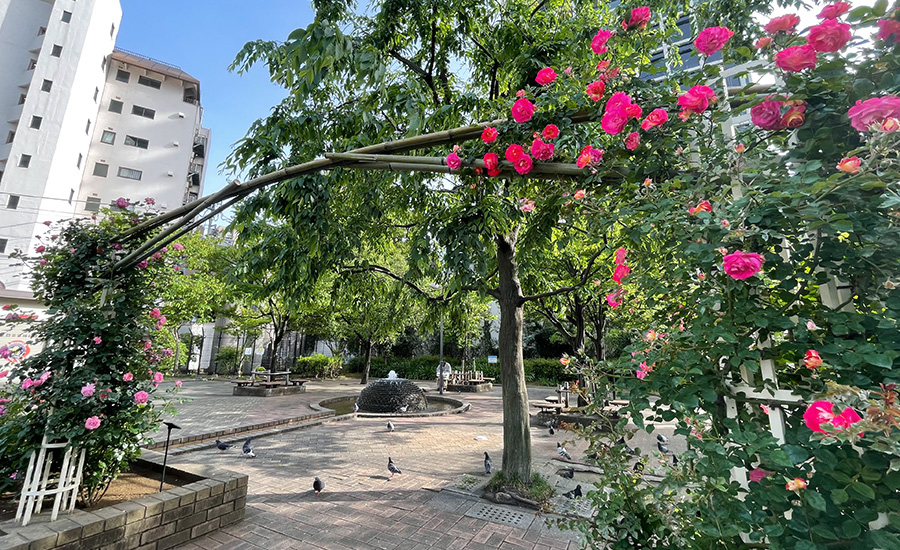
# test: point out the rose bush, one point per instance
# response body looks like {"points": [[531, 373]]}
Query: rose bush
{"points": [[93, 381]]}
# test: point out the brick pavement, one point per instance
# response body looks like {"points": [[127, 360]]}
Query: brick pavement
{"points": [[362, 507]]}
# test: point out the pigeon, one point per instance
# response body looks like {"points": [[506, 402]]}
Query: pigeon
{"points": [[392, 468], [248, 449], [222, 446], [355, 407], [593, 456], [562, 451], [488, 463], [674, 460], [574, 493], [568, 473], [318, 486], [403, 408], [628, 449], [661, 438], [390, 426], [662, 448], [551, 430]]}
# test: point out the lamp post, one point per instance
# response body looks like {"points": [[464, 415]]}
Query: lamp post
{"points": [[171, 426], [441, 362]]}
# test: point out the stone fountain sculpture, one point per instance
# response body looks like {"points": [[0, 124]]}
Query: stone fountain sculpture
{"points": [[391, 395]]}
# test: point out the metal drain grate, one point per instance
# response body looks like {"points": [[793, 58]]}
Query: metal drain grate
{"points": [[496, 514]]}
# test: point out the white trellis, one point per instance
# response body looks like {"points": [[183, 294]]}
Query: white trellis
{"points": [[42, 480]]}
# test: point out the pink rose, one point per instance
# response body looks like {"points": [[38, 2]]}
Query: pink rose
{"points": [[551, 131], [127, 377], [758, 474], [822, 412], [489, 135], [632, 141], [523, 164], [122, 203], [491, 161], [453, 161], [527, 205], [545, 76], [97, 340], [92, 423], [763, 42], [541, 150], [178, 383], [889, 30], [890, 125], [150, 201], [589, 156], [794, 116], [40, 249], [639, 19], [595, 90], [579, 194], [829, 36], [178, 247], [522, 110], [740, 265], [615, 298], [598, 44], [767, 115], [620, 273], [157, 377], [849, 165], [88, 390], [513, 152], [785, 23], [620, 255], [633, 110], [141, 397], [619, 100], [614, 121], [142, 264], [696, 100], [155, 313], [833, 11], [712, 39], [28, 383], [796, 58], [657, 117], [874, 110]]}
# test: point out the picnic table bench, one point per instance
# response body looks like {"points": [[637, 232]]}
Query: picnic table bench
{"points": [[297, 382], [468, 378], [544, 406], [242, 383], [269, 384]]}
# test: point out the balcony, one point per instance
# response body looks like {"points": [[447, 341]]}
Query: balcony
{"points": [[200, 146]]}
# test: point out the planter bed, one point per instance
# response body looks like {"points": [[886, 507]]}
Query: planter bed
{"points": [[156, 522]]}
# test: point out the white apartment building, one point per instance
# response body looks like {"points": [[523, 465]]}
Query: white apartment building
{"points": [[61, 87]]}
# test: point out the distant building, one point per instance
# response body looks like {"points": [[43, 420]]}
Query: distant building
{"points": [[76, 133]]}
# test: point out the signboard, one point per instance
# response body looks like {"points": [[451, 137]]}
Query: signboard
{"points": [[248, 351], [492, 358]]}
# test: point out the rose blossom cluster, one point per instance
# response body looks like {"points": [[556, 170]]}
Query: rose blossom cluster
{"points": [[616, 297], [773, 114], [619, 110], [822, 412], [742, 265], [695, 101], [702, 206], [876, 113]]}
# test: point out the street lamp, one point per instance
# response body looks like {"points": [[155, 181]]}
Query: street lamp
{"points": [[440, 371], [171, 426]]}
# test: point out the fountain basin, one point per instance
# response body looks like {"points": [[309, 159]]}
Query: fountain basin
{"points": [[437, 406]]}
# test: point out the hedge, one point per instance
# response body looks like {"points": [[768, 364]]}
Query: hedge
{"points": [[546, 372], [318, 365]]}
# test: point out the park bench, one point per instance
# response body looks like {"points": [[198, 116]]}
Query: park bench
{"points": [[269, 384], [242, 383], [544, 406], [468, 378], [297, 382]]}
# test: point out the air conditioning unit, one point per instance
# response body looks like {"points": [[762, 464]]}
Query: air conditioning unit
{"points": [[170, 173], [180, 115], [175, 143]]}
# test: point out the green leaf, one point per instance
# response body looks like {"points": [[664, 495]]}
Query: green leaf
{"points": [[861, 490], [884, 540], [851, 529], [816, 501], [839, 496]]}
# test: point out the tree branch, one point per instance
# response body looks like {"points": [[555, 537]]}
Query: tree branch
{"points": [[585, 275], [429, 80]]}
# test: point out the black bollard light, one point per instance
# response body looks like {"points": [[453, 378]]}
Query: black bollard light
{"points": [[171, 426]]}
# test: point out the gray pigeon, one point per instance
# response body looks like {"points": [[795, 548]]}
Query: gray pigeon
{"points": [[318, 486], [574, 493], [488, 464], [392, 468], [628, 449], [390, 426], [661, 438], [248, 449], [662, 448], [568, 473], [674, 460], [562, 451], [222, 446], [551, 430]]}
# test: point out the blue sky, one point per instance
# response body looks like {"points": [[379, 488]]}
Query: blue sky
{"points": [[203, 37]]}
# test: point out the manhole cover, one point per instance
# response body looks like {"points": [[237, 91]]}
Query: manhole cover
{"points": [[496, 514]]}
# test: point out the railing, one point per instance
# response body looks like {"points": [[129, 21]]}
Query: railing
{"points": [[123, 50]]}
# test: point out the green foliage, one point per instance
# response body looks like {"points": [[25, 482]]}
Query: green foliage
{"points": [[318, 365], [542, 372], [97, 331]]}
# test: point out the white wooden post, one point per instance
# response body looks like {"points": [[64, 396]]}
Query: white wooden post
{"points": [[39, 483]]}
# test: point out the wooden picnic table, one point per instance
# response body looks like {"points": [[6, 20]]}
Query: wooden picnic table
{"points": [[242, 383], [272, 374], [544, 406]]}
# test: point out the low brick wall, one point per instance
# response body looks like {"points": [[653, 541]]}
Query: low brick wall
{"points": [[154, 522]]}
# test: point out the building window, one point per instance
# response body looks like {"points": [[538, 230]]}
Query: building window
{"points": [[96, 94], [36, 122], [87, 128], [13, 202], [80, 158], [136, 142], [143, 111], [66, 16], [108, 137], [115, 106], [101, 170], [129, 173], [123, 76], [24, 161], [152, 82], [32, 64], [56, 51], [46, 85], [3, 243], [10, 136], [92, 204], [22, 99], [42, 31]]}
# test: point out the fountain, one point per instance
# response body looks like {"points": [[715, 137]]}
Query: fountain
{"points": [[392, 395]]}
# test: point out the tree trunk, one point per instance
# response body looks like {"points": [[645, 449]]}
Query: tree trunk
{"points": [[365, 376], [516, 422]]}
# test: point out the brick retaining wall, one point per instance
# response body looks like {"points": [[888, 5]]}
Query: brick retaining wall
{"points": [[155, 522]]}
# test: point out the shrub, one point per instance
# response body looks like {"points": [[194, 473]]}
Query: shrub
{"points": [[318, 365]]}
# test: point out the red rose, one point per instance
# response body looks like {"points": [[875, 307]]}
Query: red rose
{"points": [[523, 164], [489, 135], [796, 58], [632, 141], [545, 76], [513, 152], [829, 36], [742, 265], [595, 90], [550, 132], [492, 163]]}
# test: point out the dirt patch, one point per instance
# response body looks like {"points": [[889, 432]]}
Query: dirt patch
{"points": [[137, 483]]}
